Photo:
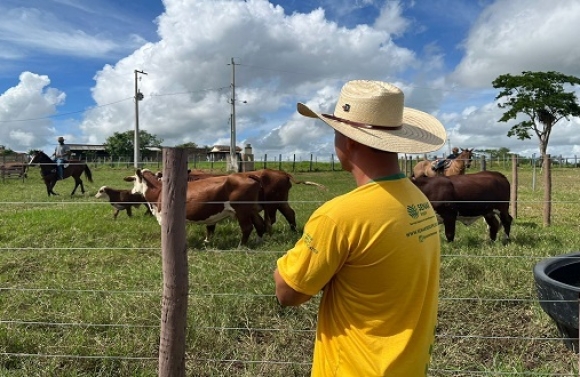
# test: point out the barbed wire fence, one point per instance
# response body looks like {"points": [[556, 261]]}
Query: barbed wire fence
{"points": [[453, 337]]}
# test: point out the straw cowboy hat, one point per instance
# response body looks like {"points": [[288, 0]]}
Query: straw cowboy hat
{"points": [[373, 113], [60, 138]]}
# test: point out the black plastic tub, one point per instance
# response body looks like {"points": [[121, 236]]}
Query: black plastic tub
{"points": [[558, 285]]}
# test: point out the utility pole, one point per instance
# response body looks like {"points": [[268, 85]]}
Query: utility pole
{"points": [[138, 97], [233, 150]]}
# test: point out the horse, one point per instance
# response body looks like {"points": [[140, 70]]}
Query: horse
{"points": [[467, 197], [456, 166], [74, 169]]}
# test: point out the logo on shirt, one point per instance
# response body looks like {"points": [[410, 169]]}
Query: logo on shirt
{"points": [[418, 210], [308, 241], [413, 211]]}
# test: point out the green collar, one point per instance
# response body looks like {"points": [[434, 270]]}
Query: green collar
{"points": [[391, 177]]}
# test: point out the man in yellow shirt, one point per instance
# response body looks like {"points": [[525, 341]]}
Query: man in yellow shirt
{"points": [[374, 252]]}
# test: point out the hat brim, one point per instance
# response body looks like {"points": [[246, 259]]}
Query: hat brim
{"points": [[419, 133]]}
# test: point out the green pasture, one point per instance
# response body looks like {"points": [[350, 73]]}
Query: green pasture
{"points": [[80, 292]]}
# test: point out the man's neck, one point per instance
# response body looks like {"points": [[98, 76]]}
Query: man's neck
{"points": [[366, 168]]}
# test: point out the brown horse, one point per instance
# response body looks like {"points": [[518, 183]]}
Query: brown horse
{"points": [[48, 171], [456, 166]]}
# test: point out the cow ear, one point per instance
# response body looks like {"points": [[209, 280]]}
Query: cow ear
{"points": [[129, 178]]}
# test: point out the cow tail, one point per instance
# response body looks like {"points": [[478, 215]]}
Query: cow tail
{"points": [[261, 194], [309, 183]]}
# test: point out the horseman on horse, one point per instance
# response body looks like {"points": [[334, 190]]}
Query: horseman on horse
{"points": [[439, 165]]}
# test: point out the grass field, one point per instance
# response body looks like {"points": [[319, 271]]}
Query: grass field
{"points": [[80, 293]]}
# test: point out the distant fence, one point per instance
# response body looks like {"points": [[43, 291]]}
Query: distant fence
{"points": [[13, 166], [311, 162], [458, 339]]}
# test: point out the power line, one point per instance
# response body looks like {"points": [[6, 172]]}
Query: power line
{"points": [[113, 103], [63, 114]]}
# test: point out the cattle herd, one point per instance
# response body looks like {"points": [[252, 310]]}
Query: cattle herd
{"points": [[211, 198], [244, 196]]}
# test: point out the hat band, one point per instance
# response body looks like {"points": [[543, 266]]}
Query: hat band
{"points": [[363, 125]]}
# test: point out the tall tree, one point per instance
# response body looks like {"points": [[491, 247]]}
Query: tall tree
{"points": [[6, 151], [122, 143], [502, 152], [541, 97], [188, 145]]}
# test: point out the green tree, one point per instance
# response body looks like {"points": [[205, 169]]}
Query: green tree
{"points": [[502, 152], [189, 145], [541, 97], [122, 143], [6, 152]]}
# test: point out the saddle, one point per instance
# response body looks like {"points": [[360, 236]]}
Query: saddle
{"points": [[435, 165], [65, 165]]}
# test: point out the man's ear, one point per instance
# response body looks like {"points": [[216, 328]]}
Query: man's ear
{"points": [[350, 144]]}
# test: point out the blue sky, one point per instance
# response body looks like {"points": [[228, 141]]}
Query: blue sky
{"points": [[67, 67]]}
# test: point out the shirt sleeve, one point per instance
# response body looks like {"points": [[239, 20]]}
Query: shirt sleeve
{"points": [[316, 257]]}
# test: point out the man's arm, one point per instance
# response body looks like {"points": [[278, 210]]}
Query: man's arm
{"points": [[286, 295]]}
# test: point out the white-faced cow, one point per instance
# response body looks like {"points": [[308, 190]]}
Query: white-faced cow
{"points": [[122, 200], [209, 201], [466, 198], [274, 193]]}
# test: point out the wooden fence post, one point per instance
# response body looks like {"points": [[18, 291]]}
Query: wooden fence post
{"points": [[546, 168], [514, 188], [174, 261]]}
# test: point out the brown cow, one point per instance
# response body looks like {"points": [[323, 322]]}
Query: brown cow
{"points": [[210, 200], [276, 185], [467, 197], [122, 200]]}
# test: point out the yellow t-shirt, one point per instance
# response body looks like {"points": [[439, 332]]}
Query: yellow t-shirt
{"points": [[375, 251]]}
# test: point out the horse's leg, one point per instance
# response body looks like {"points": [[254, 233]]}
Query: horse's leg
{"points": [[78, 182], [50, 186], [75, 188], [82, 186]]}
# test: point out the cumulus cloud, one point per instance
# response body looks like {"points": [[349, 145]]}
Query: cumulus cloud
{"points": [[278, 60], [512, 36], [24, 112], [280, 57]]}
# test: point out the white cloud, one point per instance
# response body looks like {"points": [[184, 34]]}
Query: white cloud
{"points": [[33, 29], [283, 57], [24, 112], [512, 36], [390, 19], [279, 59]]}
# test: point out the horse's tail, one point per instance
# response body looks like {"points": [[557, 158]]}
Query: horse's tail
{"points": [[88, 173]]}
